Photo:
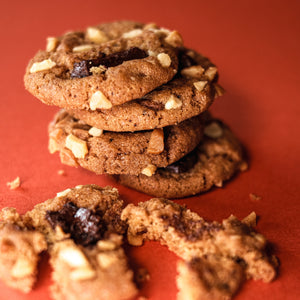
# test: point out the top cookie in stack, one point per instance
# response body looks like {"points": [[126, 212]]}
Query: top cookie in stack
{"points": [[133, 98]]}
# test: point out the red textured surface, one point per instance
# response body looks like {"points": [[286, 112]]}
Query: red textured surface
{"points": [[256, 47]]}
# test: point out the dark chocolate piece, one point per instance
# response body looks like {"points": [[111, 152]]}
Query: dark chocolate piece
{"points": [[190, 229], [82, 68], [184, 164], [85, 226], [185, 61]]}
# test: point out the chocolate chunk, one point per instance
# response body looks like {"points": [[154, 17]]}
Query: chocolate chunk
{"points": [[185, 60], [192, 230], [88, 227], [62, 217], [82, 68], [184, 164], [85, 226]]}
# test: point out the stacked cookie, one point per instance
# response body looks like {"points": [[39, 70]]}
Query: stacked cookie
{"points": [[134, 105]]}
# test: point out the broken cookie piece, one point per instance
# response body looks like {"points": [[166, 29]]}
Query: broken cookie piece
{"points": [[207, 243], [20, 249], [85, 236], [209, 277]]}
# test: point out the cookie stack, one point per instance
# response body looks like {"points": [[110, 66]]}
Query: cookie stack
{"points": [[135, 106]]}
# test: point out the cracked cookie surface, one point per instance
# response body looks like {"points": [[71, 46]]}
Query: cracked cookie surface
{"points": [[121, 152], [105, 65]]}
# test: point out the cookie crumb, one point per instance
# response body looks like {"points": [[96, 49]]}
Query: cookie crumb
{"points": [[142, 275], [61, 172], [14, 184], [254, 197]]}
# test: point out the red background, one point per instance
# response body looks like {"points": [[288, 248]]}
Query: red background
{"points": [[256, 47]]}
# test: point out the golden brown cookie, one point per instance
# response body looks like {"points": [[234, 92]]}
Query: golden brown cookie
{"points": [[121, 152], [103, 66]]}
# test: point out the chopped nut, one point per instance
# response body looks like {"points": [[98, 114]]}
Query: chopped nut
{"points": [[42, 66], [78, 187], [83, 273], [61, 172], [164, 59], [95, 35], [98, 100], [156, 142], [151, 53], [244, 166], [67, 157], [54, 136], [149, 170], [14, 184], [150, 26], [98, 70], [82, 48], [250, 220], [132, 33], [200, 85], [219, 183], [160, 31], [63, 193], [135, 240], [105, 260], [254, 197], [106, 245], [174, 39], [173, 103], [77, 146], [95, 131], [52, 43], [22, 268], [213, 130], [210, 73], [219, 90], [73, 257], [193, 71], [52, 146]]}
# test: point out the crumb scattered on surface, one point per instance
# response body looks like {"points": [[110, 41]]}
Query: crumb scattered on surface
{"points": [[244, 166], [254, 197], [61, 172], [142, 275], [14, 184]]}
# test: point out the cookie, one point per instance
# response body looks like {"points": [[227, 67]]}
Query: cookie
{"points": [[84, 232], [212, 277], [20, 249], [103, 66], [190, 93], [217, 158], [203, 245], [125, 152]]}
